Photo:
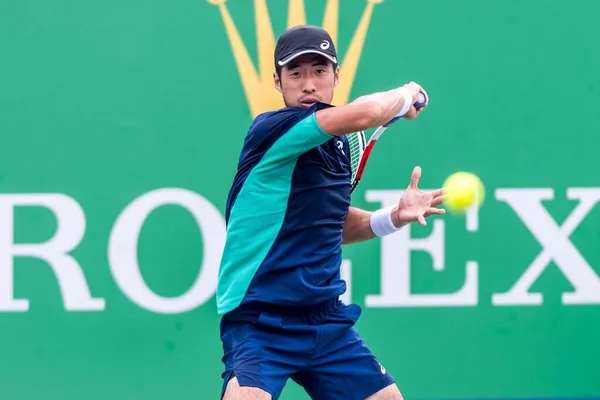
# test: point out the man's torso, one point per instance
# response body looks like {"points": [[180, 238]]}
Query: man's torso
{"points": [[285, 214]]}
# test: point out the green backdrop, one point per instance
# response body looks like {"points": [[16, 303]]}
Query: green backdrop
{"points": [[121, 122]]}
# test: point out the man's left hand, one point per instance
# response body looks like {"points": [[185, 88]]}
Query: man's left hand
{"points": [[416, 205]]}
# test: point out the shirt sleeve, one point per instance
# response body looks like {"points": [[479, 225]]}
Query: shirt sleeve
{"points": [[290, 132]]}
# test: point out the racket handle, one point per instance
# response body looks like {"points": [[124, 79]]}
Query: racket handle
{"points": [[421, 101]]}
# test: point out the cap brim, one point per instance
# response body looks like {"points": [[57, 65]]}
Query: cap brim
{"points": [[295, 55]]}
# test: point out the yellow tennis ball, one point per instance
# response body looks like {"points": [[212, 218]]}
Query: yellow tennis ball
{"points": [[462, 190]]}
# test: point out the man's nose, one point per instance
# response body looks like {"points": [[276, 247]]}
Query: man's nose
{"points": [[309, 86]]}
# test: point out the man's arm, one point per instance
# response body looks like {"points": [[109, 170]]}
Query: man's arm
{"points": [[414, 206], [369, 111], [359, 224], [357, 227]]}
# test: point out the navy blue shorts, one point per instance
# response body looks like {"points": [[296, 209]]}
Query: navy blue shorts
{"points": [[318, 347]]}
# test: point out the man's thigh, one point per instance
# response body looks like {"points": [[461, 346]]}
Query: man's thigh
{"points": [[389, 393], [235, 392]]}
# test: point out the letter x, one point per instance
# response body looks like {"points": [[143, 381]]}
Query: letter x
{"points": [[527, 203]]}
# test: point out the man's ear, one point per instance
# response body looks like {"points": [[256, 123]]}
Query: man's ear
{"points": [[336, 74], [277, 82]]}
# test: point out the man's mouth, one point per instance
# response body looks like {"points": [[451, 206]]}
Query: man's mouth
{"points": [[309, 101]]}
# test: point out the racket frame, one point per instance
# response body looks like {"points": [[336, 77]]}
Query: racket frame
{"points": [[365, 155]]}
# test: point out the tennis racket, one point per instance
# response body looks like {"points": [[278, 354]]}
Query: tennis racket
{"points": [[360, 149]]}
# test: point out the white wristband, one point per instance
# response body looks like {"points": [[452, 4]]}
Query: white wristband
{"points": [[408, 100], [381, 222]]}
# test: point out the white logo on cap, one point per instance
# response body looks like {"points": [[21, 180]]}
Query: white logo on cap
{"points": [[325, 45]]}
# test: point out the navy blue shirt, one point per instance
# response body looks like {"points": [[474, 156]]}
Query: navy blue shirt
{"points": [[285, 214]]}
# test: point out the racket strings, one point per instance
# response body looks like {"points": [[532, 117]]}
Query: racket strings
{"points": [[356, 143]]}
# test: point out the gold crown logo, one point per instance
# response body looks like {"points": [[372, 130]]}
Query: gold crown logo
{"points": [[258, 82]]}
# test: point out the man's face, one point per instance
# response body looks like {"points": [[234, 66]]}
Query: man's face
{"points": [[306, 80]]}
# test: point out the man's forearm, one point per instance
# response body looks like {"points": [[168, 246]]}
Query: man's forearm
{"points": [[357, 227], [361, 225], [368, 111]]}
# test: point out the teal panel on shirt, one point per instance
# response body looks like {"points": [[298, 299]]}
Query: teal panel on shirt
{"points": [[259, 210]]}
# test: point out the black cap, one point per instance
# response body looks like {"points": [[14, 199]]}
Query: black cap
{"points": [[304, 39]]}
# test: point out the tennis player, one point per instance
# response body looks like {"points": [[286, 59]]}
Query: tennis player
{"points": [[288, 213]]}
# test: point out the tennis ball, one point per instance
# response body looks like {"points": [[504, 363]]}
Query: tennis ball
{"points": [[462, 190]]}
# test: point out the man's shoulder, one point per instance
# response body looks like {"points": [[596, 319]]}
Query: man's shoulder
{"points": [[281, 113], [285, 116]]}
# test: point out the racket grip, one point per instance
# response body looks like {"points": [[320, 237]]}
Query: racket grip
{"points": [[421, 101]]}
